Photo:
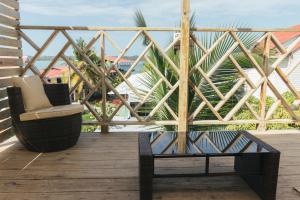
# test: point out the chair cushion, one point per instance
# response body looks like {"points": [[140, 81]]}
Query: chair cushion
{"points": [[52, 112], [33, 93]]}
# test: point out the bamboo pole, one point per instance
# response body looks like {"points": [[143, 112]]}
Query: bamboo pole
{"points": [[262, 126], [104, 128], [184, 76], [199, 29]]}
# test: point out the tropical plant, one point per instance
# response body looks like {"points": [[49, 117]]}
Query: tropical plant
{"points": [[87, 70], [280, 113], [224, 78]]}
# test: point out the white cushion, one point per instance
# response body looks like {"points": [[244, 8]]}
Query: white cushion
{"points": [[52, 112], [33, 93]]}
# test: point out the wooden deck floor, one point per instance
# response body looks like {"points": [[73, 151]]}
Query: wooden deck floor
{"points": [[105, 167]]}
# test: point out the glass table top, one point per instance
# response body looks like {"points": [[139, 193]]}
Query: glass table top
{"points": [[227, 142]]}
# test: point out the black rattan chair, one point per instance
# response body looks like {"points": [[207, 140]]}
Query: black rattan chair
{"points": [[45, 135]]}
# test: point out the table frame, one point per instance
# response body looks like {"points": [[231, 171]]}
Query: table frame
{"points": [[259, 169]]}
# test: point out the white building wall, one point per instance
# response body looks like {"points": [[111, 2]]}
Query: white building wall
{"points": [[294, 77]]}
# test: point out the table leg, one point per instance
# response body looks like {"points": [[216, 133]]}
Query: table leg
{"points": [[260, 171], [146, 170]]}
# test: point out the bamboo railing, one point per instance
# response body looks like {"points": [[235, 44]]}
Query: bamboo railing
{"points": [[182, 118], [263, 116]]}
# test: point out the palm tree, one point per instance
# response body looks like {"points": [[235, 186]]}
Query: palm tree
{"points": [[224, 78], [84, 67], [87, 70]]}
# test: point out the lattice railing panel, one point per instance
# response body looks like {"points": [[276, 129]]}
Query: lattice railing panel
{"points": [[103, 69], [264, 70], [243, 87]]}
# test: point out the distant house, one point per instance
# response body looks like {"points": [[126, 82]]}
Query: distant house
{"points": [[123, 89], [58, 75], [126, 91], [285, 38], [124, 64]]}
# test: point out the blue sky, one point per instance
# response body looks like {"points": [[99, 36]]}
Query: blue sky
{"points": [[210, 13]]}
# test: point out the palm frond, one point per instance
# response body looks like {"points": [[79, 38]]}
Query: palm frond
{"points": [[224, 77]]}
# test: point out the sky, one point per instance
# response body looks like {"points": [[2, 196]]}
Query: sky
{"points": [[209, 13]]}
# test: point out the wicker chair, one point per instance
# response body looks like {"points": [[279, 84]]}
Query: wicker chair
{"points": [[45, 135]]}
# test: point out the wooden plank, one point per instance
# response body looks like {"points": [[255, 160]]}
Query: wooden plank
{"points": [[5, 82], [9, 12], [3, 103], [10, 52], [118, 195], [10, 42], [4, 114], [92, 185], [11, 3], [8, 72], [3, 93], [8, 22], [5, 124], [184, 76], [6, 134], [69, 174], [8, 32], [4, 62]]}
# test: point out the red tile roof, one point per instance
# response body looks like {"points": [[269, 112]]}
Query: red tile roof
{"points": [[113, 58], [57, 72], [285, 37]]}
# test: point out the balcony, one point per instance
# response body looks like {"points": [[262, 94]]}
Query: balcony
{"points": [[203, 79]]}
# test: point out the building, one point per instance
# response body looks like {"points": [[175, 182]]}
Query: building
{"points": [[58, 74], [291, 62], [131, 97], [123, 65]]}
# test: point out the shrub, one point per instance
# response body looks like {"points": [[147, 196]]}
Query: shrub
{"points": [[280, 113]]}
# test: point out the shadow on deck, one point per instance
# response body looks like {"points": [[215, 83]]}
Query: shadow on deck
{"points": [[106, 167]]}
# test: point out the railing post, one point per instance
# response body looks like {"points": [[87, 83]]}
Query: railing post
{"points": [[184, 76], [262, 126], [104, 128]]}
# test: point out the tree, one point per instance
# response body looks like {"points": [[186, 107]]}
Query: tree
{"points": [[85, 68], [88, 71]]}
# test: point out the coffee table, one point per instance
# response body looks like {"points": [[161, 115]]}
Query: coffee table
{"points": [[254, 160]]}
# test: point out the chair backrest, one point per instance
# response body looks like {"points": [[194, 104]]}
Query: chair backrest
{"points": [[58, 94]]}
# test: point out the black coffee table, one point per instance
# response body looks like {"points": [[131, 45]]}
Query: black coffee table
{"points": [[255, 161]]}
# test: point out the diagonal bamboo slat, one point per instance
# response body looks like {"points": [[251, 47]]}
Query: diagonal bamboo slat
{"points": [[104, 84]]}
